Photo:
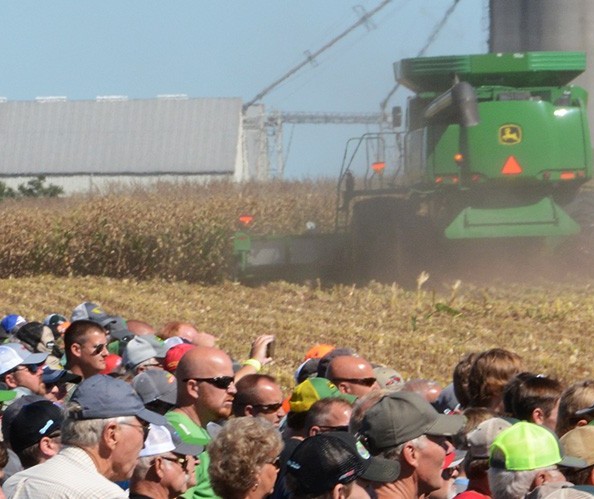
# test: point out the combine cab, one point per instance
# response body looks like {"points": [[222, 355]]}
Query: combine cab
{"points": [[494, 147]]}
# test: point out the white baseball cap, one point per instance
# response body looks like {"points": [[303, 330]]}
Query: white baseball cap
{"points": [[15, 354], [162, 439]]}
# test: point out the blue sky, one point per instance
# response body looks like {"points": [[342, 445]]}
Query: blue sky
{"points": [[222, 48]]}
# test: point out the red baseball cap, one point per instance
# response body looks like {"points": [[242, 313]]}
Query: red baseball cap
{"points": [[174, 355]]}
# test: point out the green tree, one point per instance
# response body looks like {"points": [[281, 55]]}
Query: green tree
{"points": [[36, 188], [6, 192]]}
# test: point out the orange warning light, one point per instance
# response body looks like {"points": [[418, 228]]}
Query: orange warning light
{"points": [[245, 220], [458, 158], [511, 167], [567, 176], [378, 166]]}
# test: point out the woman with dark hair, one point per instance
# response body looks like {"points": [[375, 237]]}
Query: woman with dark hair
{"points": [[533, 398]]}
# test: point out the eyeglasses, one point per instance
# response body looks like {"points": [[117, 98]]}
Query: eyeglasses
{"points": [[32, 368], [182, 461], [222, 382], [268, 408], [275, 462], [144, 428], [97, 349], [333, 428], [369, 382]]}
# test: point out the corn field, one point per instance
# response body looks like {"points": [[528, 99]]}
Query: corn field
{"points": [[172, 232]]}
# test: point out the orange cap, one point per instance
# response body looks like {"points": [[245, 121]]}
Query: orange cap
{"points": [[318, 351]]}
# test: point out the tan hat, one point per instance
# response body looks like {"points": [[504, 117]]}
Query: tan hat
{"points": [[560, 490], [579, 442], [480, 439]]}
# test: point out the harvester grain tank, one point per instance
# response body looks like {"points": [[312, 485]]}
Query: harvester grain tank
{"points": [[494, 147]]}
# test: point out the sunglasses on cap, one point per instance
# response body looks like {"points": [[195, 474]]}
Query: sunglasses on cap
{"points": [[222, 382]]}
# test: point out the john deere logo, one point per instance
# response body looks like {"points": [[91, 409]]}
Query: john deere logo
{"points": [[510, 134]]}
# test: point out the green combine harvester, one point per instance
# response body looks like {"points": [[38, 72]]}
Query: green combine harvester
{"points": [[494, 147]]}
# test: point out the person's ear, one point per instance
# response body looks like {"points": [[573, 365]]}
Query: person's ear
{"points": [[49, 447], [538, 416], [539, 479], [192, 389], [111, 435], [76, 349], [410, 455], [158, 467], [10, 381], [581, 422], [343, 387], [339, 492], [313, 430], [248, 410]]}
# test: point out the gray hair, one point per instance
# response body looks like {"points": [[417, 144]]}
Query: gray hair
{"points": [[143, 464], [393, 453], [85, 432], [506, 484]]}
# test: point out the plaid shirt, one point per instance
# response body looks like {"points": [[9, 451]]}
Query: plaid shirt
{"points": [[71, 474]]}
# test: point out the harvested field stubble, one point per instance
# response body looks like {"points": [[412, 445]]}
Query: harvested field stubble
{"points": [[417, 333]]}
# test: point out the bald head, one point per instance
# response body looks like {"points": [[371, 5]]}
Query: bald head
{"points": [[204, 362], [205, 383], [352, 375], [140, 328], [426, 388]]}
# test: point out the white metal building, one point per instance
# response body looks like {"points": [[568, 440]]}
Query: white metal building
{"points": [[82, 145]]}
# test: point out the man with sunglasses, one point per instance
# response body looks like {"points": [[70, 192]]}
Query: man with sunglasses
{"points": [[103, 431], [85, 344], [205, 393], [166, 466], [259, 395], [353, 375], [21, 369]]}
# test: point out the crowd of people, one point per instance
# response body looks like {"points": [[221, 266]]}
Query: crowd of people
{"points": [[94, 406]]}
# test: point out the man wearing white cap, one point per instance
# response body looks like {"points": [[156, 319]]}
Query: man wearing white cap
{"points": [[166, 466], [21, 369]]}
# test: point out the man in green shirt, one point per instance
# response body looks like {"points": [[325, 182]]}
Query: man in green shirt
{"points": [[205, 392]]}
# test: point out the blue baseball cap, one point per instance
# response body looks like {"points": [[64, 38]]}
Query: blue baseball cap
{"points": [[103, 397]]}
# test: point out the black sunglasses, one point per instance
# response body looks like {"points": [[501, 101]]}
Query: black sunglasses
{"points": [[369, 382], [268, 408], [333, 428], [222, 382], [97, 349]]}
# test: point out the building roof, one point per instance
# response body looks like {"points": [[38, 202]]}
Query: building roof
{"points": [[120, 137]]}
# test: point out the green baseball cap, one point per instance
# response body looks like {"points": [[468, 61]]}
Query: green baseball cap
{"points": [[311, 390], [402, 416], [528, 446]]}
